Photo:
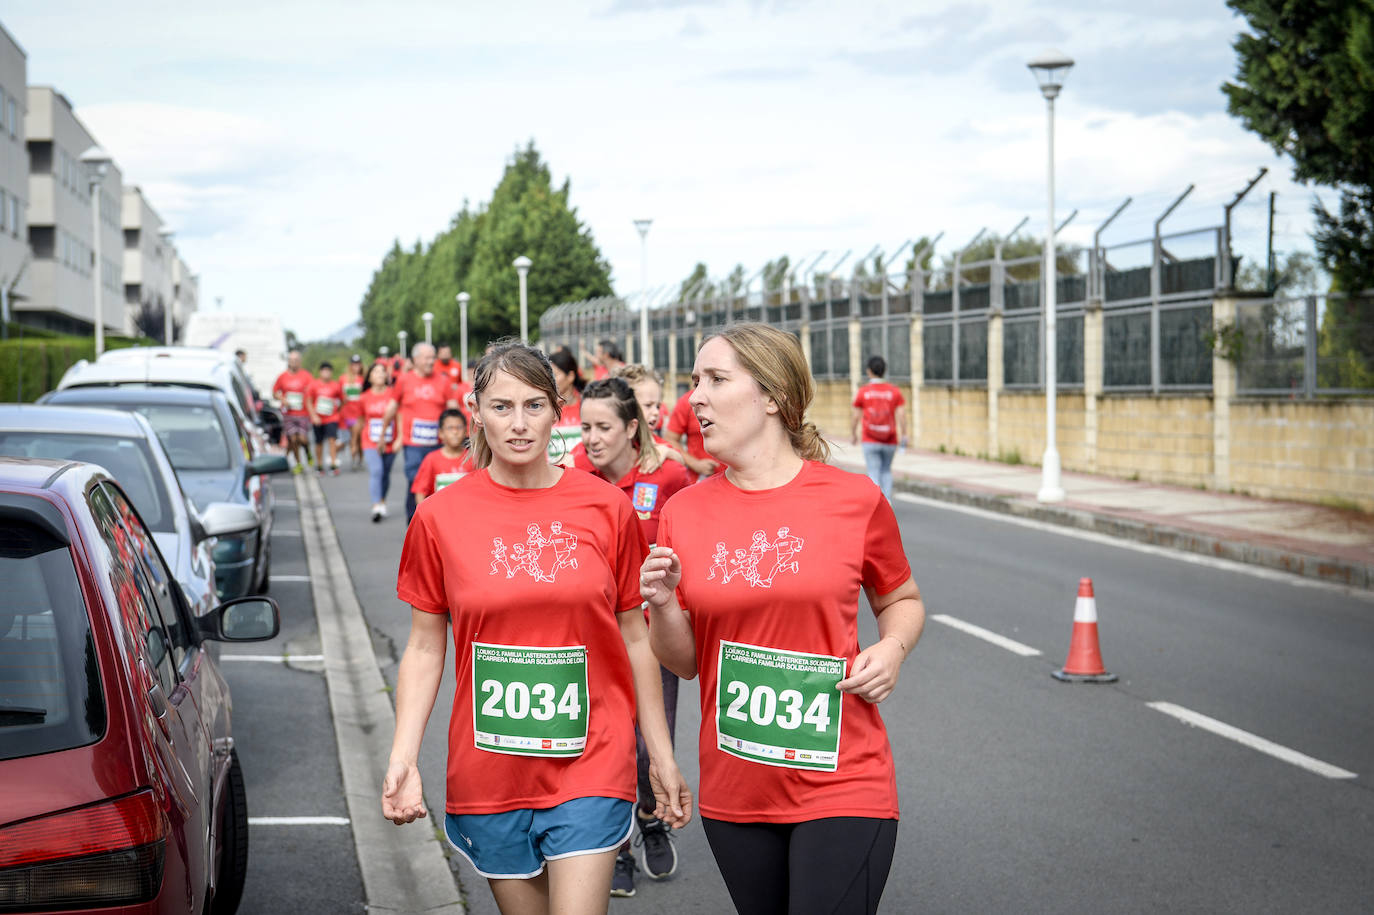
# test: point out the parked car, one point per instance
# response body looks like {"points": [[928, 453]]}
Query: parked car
{"points": [[174, 366], [127, 446], [215, 457], [119, 784]]}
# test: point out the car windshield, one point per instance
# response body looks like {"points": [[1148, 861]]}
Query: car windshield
{"points": [[50, 695], [129, 461], [191, 435]]}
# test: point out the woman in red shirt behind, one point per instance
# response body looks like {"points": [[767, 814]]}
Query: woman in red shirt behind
{"points": [[755, 585], [536, 568]]}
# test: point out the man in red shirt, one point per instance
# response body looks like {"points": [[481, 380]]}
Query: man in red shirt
{"points": [[881, 409], [447, 364], [683, 427], [324, 399], [420, 396], [290, 390]]}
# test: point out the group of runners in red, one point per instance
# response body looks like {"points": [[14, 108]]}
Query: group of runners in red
{"points": [[582, 574]]}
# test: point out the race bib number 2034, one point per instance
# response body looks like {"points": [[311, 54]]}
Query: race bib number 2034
{"points": [[529, 701], [779, 708]]}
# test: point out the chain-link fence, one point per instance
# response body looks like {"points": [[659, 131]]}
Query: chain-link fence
{"points": [[1302, 347]]}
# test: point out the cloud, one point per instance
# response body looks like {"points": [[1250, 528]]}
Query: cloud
{"points": [[762, 74], [629, 7]]}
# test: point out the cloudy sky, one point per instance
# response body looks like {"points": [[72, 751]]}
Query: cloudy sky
{"points": [[288, 143]]}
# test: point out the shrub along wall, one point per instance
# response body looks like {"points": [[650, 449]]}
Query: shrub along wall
{"points": [[32, 366]]}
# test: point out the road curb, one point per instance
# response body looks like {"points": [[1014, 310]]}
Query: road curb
{"points": [[1331, 570], [403, 869]]}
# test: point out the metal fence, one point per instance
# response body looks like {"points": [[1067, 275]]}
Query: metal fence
{"points": [[1302, 347]]}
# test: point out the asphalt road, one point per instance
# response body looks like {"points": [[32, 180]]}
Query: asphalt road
{"points": [[1019, 793]]}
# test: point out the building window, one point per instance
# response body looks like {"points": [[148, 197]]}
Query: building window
{"points": [[3, 96], [13, 118], [4, 210], [14, 216]]}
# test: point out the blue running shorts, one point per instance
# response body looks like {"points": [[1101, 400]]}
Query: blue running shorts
{"points": [[514, 845]]}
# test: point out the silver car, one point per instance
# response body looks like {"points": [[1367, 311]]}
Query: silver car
{"points": [[127, 447]]}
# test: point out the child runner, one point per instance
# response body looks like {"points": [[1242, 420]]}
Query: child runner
{"points": [[324, 399], [349, 427], [881, 409], [290, 391], [621, 450], [798, 788], [378, 437], [567, 432], [552, 658], [450, 463]]}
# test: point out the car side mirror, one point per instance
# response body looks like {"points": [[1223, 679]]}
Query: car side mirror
{"points": [[268, 463], [222, 518], [244, 619]]}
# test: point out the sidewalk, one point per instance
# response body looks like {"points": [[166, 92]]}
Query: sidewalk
{"points": [[1329, 544]]}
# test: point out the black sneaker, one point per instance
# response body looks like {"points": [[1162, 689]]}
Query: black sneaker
{"points": [[623, 880], [660, 857]]}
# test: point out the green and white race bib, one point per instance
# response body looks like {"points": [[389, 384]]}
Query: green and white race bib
{"points": [[779, 708], [562, 441], [444, 479], [529, 701], [295, 400]]}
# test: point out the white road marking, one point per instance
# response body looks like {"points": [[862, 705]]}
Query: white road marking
{"points": [[274, 658], [1213, 562], [278, 532], [298, 821], [289, 503], [276, 578], [1254, 742], [986, 635]]}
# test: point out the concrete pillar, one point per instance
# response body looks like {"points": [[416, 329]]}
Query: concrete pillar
{"points": [[1092, 381], [805, 336], [1224, 384], [995, 379], [856, 355], [918, 372], [630, 340]]}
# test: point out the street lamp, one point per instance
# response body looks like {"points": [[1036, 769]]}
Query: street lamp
{"points": [[646, 356], [463, 299], [522, 267], [97, 163], [169, 307], [1050, 69], [428, 318], [401, 335]]}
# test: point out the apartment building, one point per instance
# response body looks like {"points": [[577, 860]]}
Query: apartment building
{"points": [[61, 236], [185, 289], [149, 260], [14, 173]]}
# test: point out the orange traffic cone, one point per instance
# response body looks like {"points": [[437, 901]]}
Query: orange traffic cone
{"points": [[1084, 664]]}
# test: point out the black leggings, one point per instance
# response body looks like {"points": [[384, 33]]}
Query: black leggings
{"points": [[831, 866]]}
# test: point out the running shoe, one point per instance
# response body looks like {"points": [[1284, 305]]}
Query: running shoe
{"points": [[623, 880], [297, 468], [381, 507], [320, 470], [660, 857], [376, 513], [334, 470]]}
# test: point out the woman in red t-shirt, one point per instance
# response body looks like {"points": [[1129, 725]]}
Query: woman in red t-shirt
{"points": [[535, 566], [798, 791], [378, 437], [621, 450]]}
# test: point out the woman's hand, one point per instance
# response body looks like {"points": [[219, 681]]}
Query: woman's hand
{"points": [[672, 797], [876, 669], [402, 796], [659, 576]]}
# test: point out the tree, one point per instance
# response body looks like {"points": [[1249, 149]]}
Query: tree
{"points": [[1305, 84], [150, 320], [697, 285]]}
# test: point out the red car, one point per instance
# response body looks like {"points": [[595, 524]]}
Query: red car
{"points": [[119, 785]]}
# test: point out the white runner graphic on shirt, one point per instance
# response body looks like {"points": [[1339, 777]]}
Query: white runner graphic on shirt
{"points": [[531, 557], [752, 564]]}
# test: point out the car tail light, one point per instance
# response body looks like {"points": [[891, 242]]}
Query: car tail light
{"points": [[107, 854]]}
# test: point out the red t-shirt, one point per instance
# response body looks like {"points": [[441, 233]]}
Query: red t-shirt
{"points": [[535, 568], [291, 389], [879, 401], [684, 421], [372, 408], [438, 470], [353, 387], [831, 533], [422, 398], [450, 367], [327, 399], [649, 491]]}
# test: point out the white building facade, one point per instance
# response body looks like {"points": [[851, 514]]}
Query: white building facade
{"points": [[14, 174], [61, 223]]}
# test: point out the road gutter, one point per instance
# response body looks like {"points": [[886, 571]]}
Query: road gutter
{"points": [[404, 869]]}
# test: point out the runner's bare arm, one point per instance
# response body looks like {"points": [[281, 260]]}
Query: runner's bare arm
{"points": [[901, 617], [389, 416], [670, 634], [417, 683], [902, 425], [855, 417], [673, 797]]}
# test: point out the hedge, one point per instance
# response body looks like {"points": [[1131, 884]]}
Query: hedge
{"points": [[31, 367]]}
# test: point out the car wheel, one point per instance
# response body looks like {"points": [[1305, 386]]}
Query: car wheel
{"points": [[233, 849], [266, 581]]}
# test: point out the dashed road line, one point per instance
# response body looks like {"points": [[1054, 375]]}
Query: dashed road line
{"points": [[281, 578], [1253, 741], [987, 635], [278, 532], [275, 658], [299, 821]]}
